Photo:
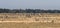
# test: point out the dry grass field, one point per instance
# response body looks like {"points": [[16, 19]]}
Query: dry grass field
{"points": [[29, 20]]}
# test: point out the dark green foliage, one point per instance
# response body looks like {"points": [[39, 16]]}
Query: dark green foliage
{"points": [[28, 11]]}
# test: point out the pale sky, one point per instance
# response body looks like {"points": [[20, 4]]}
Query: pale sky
{"points": [[30, 4]]}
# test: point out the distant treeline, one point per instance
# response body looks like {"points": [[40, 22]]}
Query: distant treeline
{"points": [[28, 11]]}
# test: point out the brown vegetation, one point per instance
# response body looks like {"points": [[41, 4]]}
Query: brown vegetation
{"points": [[29, 20]]}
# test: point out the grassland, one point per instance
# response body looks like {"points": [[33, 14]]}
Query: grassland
{"points": [[29, 20]]}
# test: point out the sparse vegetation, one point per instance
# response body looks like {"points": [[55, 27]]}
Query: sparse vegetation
{"points": [[34, 20], [29, 19]]}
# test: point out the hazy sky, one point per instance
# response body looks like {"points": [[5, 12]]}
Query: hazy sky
{"points": [[30, 4]]}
